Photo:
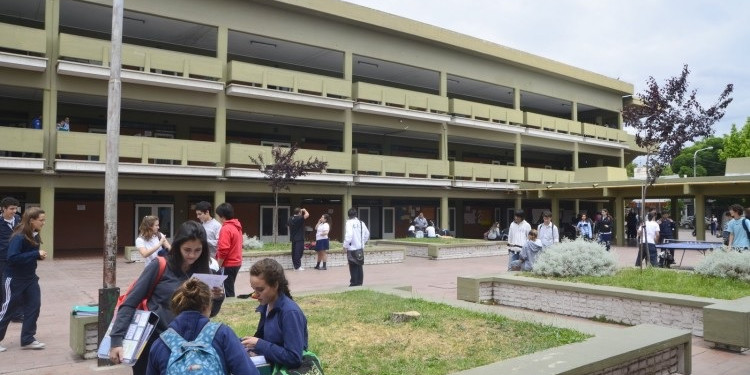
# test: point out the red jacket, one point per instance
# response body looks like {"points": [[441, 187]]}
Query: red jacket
{"points": [[229, 246]]}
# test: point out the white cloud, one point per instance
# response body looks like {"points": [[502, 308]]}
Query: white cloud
{"points": [[629, 40]]}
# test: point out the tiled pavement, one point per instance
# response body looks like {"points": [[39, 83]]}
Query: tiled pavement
{"points": [[66, 282]]}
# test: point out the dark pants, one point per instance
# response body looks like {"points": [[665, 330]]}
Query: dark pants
{"points": [[651, 255], [231, 273], [356, 273], [606, 240], [298, 247], [21, 293], [140, 365], [18, 313]]}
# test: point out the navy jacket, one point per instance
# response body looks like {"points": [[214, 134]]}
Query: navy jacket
{"points": [[283, 333], [189, 324], [5, 232], [22, 258]]}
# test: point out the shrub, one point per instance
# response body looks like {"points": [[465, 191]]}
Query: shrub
{"points": [[250, 243], [575, 258], [725, 263]]}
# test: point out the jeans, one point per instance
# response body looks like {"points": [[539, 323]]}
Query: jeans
{"points": [[298, 247], [606, 239], [356, 274], [513, 255], [651, 255], [231, 273]]}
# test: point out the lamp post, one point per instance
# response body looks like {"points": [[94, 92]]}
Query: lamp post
{"points": [[695, 154]]}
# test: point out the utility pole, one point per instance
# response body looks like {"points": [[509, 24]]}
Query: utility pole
{"points": [[109, 292]]}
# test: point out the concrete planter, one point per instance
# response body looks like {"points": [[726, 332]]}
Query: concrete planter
{"points": [[336, 258], [437, 251]]}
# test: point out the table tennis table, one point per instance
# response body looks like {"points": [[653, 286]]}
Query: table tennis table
{"points": [[700, 246]]}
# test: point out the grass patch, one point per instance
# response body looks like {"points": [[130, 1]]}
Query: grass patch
{"points": [[352, 333], [669, 281], [438, 240], [270, 246]]}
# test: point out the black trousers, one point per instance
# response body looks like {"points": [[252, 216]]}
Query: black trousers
{"points": [[356, 274], [231, 273], [298, 247], [18, 314]]}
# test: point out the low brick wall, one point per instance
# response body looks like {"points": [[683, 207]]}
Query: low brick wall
{"points": [[436, 251], [336, 258], [619, 305]]}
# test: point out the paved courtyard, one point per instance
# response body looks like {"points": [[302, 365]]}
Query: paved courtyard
{"points": [[66, 282]]}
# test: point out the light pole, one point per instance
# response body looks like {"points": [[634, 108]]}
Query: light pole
{"points": [[695, 154]]}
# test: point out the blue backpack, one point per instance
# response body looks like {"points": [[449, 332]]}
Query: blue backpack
{"points": [[193, 357]]}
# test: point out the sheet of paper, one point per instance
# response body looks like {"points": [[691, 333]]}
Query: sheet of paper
{"points": [[213, 281]]}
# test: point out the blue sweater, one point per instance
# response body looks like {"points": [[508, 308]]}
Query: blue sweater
{"points": [[5, 232], [283, 333], [189, 324], [22, 258]]}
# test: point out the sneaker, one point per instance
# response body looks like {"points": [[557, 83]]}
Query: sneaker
{"points": [[2, 349], [300, 269], [34, 345]]}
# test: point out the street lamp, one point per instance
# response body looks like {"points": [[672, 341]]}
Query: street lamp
{"points": [[696, 154]]}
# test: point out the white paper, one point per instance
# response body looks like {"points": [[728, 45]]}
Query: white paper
{"points": [[213, 281], [258, 360]]}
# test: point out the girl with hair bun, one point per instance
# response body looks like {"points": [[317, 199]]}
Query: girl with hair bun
{"points": [[191, 305], [282, 331]]}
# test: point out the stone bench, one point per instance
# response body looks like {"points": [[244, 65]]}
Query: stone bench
{"points": [[643, 349], [727, 324], [336, 258], [440, 251], [84, 335]]}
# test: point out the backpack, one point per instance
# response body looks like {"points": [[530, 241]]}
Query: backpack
{"points": [[143, 305], [193, 357]]}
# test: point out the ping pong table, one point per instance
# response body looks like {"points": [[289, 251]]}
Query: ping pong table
{"points": [[700, 246]]}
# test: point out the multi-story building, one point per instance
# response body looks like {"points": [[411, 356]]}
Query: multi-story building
{"points": [[410, 117]]}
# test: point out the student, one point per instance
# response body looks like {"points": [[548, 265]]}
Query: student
{"points": [[738, 228], [150, 241], [648, 236], [604, 228], [547, 231], [493, 234], [10, 220], [420, 223], [211, 225], [529, 253], [321, 240], [191, 305], [282, 331], [296, 225], [585, 227], [189, 256], [21, 282], [518, 234], [356, 236], [229, 246]]}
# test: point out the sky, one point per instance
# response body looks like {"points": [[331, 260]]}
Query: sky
{"points": [[628, 40]]}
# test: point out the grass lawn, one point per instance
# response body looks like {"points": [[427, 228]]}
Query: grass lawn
{"points": [[670, 281], [270, 246], [352, 333]]}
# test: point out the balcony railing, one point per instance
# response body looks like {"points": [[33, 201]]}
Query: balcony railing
{"points": [[399, 166], [23, 38], [288, 80], [21, 140], [393, 97], [146, 59], [485, 112], [146, 149], [544, 176], [486, 172], [239, 155]]}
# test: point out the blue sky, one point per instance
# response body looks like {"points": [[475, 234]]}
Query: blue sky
{"points": [[629, 40]]}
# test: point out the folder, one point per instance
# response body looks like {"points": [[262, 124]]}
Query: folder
{"points": [[140, 330]]}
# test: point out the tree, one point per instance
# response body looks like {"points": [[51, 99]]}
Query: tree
{"points": [[736, 143], [630, 169], [283, 173], [708, 162], [666, 119]]}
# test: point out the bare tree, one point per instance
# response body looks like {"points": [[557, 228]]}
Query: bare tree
{"points": [[282, 172], [666, 119]]}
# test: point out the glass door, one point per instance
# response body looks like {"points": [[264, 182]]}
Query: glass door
{"points": [[389, 223], [165, 213], [266, 223], [363, 213]]}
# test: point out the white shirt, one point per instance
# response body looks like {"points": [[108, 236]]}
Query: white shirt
{"points": [[431, 231], [320, 230], [652, 231], [548, 234], [356, 234], [518, 234], [212, 228], [150, 244]]}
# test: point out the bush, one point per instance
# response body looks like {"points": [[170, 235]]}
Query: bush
{"points": [[725, 263], [575, 258], [251, 243]]}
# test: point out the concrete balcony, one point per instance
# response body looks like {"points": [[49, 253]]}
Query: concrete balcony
{"points": [[399, 166], [265, 77], [400, 98], [486, 172], [240, 165], [548, 176], [600, 174], [86, 152], [30, 43], [485, 112], [20, 148]]}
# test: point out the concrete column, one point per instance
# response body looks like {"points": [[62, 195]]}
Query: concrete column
{"points": [[622, 158], [700, 213], [348, 66], [574, 111], [49, 101], [673, 214], [346, 204], [220, 119], [517, 156], [517, 205], [220, 196], [575, 156], [348, 135], [444, 142], [443, 84], [577, 206], [444, 211], [555, 209], [516, 99], [47, 203], [619, 215]]}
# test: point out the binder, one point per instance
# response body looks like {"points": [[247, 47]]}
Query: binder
{"points": [[140, 330]]}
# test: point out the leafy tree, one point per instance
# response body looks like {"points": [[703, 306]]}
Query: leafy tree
{"points": [[283, 172], [667, 118], [630, 169], [708, 161], [737, 143]]}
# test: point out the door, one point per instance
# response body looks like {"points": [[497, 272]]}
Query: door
{"points": [[165, 213], [363, 213], [389, 223], [266, 223]]}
